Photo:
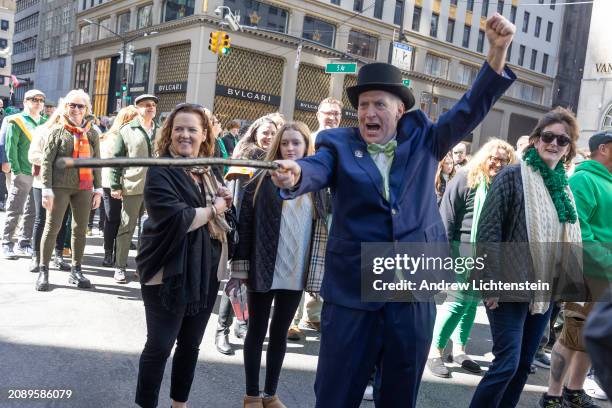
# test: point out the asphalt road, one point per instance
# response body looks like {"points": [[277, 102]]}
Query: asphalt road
{"points": [[89, 342]]}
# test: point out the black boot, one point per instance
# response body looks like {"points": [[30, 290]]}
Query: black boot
{"points": [[76, 278], [42, 283], [58, 261], [108, 258], [35, 261]]}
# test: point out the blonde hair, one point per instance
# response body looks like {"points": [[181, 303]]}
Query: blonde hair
{"points": [[274, 152], [477, 168], [59, 116], [124, 116], [330, 101]]}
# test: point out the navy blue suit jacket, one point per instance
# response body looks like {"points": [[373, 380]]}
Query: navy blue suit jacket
{"points": [[360, 211]]}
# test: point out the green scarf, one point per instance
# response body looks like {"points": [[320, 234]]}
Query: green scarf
{"points": [[556, 184], [479, 199]]}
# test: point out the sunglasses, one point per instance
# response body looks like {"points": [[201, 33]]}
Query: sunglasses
{"points": [[562, 140], [37, 100], [76, 106]]}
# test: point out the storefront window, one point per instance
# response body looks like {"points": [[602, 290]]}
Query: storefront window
{"points": [[607, 123], [257, 14], [140, 72], [81, 79], [362, 44], [319, 31], [175, 9]]}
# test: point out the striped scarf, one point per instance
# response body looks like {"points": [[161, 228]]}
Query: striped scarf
{"points": [[81, 150]]}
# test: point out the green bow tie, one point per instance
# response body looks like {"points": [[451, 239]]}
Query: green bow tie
{"points": [[388, 148]]}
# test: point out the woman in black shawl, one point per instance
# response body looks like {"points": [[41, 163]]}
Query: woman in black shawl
{"points": [[179, 255]]}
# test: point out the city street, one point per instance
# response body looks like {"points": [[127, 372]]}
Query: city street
{"points": [[89, 341]]}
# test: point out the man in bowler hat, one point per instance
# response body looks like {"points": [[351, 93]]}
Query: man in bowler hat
{"points": [[381, 177]]}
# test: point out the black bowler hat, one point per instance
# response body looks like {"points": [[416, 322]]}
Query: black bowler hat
{"points": [[379, 76]]}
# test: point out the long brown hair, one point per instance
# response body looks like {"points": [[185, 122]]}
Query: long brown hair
{"points": [[248, 142], [438, 182], [207, 148], [274, 152], [564, 117]]}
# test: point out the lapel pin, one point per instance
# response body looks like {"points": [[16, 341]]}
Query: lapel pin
{"points": [[358, 153]]}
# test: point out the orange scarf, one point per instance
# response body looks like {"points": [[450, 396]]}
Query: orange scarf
{"points": [[82, 150]]}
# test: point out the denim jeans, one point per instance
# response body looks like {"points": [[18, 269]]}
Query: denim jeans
{"points": [[516, 336]]}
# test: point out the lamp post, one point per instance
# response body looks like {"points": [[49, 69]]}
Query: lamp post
{"points": [[125, 41]]}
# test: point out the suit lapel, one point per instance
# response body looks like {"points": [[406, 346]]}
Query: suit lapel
{"points": [[363, 159], [398, 176]]}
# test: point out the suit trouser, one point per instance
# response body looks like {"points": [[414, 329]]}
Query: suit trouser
{"points": [[20, 204], [80, 202], [130, 213], [397, 342], [313, 306]]}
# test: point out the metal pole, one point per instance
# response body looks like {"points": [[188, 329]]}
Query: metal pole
{"points": [[125, 74]]}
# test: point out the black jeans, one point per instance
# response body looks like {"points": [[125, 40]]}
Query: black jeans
{"points": [[285, 304], [165, 328], [226, 315], [112, 219], [3, 190], [39, 223]]}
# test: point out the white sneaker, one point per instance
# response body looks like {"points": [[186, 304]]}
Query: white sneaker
{"points": [[368, 395], [120, 276], [593, 389]]}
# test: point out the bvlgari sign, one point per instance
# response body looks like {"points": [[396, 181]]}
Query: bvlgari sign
{"points": [[172, 87], [249, 95]]}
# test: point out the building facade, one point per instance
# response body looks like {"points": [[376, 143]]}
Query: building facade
{"points": [[572, 54], [25, 41], [595, 103], [278, 62], [55, 39], [7, 16]]}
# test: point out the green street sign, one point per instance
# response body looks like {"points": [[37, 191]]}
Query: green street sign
{"points": [[406, 82], [341, 68]]}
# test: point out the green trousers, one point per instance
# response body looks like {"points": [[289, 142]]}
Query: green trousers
{"points": [[130, 213], [80, 203], [454, 319]]}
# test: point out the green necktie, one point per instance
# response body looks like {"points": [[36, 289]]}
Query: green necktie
{"points": [[388, 148]]}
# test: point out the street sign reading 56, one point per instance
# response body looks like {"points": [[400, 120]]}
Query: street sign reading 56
{"points": [[341, 68]]}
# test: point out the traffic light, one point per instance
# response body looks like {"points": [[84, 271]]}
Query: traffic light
{"points": [[124, 86], [213, 42], [225, 46]]}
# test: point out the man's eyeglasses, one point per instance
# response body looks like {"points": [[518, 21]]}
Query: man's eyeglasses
{"points": [[498, 160], [78, 106], [331, 113], [37, 100], [562, 140]]}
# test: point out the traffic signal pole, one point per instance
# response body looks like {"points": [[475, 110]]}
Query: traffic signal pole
{"points": [[125, 77]]}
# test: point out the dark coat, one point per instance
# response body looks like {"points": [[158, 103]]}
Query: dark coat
{"points": [[360, 211], [189, 259], [230, 143], [457, 209], [258, 230]]}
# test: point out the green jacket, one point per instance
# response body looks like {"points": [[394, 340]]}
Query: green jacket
{"points": [[61, 144], [132, 141], [591, 185], [18, 144]]}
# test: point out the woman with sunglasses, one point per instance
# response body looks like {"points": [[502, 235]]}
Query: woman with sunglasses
{"points": [[179, 255], [460, 208], [71, 135], [528, 206]]}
